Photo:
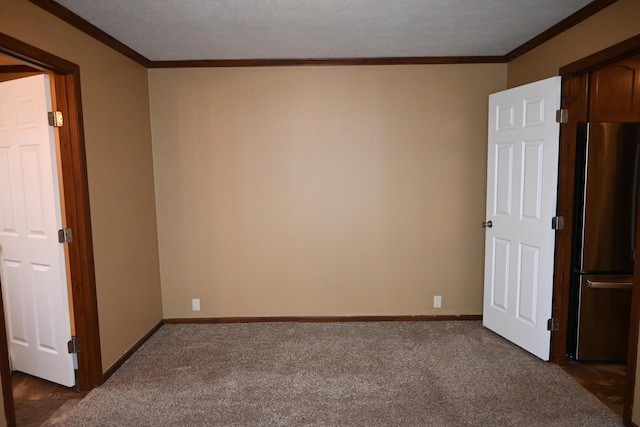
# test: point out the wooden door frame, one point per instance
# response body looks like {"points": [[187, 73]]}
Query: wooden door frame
{"points": [[575, 85], [66, 78]]}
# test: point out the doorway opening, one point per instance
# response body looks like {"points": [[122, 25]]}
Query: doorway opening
{"points": [[38, 351], [599, 88], [604, 243], [66, 77]]}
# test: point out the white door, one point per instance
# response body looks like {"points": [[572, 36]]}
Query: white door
{"points": [[522, 180], [32, 265]]}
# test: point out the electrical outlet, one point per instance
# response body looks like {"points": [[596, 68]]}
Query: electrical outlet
{"points": [[195, 304], [437, 301]]}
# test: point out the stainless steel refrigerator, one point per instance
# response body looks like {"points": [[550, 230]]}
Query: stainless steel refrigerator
{"points": [[604, 238]]}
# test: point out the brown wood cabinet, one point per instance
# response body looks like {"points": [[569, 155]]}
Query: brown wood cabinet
{"points": [[615, 92]]}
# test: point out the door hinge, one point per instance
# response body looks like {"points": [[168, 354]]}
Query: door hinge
{"points": [[73, 345], [557, 222], [55, 119], [553, 325], [562, 115], [65, 235]]}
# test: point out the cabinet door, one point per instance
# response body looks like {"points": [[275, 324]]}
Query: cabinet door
{"points": [[615, 92]]}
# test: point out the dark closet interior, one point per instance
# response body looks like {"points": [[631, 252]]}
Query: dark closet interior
{"points": [[613, 99], [613, 96], [608, 93]]}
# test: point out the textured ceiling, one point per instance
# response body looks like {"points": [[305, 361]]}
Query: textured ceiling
{"points": [[298, 29]]}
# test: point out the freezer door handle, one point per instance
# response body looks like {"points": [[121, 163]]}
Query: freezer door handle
{"points": [[593, 284]]}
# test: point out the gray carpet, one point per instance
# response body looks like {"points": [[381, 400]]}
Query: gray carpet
{"points": [[337, 374]]}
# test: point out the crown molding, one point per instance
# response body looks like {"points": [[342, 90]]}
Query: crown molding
{"points": [[80, 23], [88, 28], [328, 61], [562, 26]]}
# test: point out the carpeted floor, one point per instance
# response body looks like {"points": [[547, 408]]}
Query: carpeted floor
{"points": [[337, 374]]}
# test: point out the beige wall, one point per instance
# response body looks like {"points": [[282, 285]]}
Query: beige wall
{"points": [[119, 160], [321, 191], [616, 23]]}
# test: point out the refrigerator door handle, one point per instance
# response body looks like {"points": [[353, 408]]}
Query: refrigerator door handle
{"points": [[593, 284]]}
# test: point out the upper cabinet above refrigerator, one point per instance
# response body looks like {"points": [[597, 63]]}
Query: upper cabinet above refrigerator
{"points": [[614, 92]]}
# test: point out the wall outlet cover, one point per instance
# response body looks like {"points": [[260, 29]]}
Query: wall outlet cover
{"points": [[437, 301]]}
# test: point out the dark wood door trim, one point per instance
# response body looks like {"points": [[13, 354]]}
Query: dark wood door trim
{"points": [[82, 273], [634, 330], [66, 78], [5, 372], [575, 98]]}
